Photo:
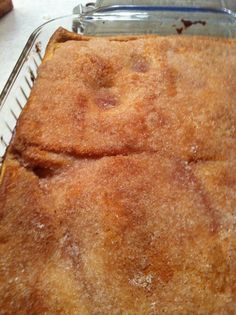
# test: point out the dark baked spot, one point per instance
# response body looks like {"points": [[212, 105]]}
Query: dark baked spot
{"points": [[42, 163], [179, 30], [3, 238], [43, 172], [139, 63], [188, 23], [105, 99]]}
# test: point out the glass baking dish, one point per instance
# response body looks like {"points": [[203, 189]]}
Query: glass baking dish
{"points": [[104, 18]]}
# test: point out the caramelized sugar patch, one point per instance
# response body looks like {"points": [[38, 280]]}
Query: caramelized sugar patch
{"points": [[106, 99], [139, 63], [43, 172]]}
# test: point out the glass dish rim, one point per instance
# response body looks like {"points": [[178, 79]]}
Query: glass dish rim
{"points": [[184, 8]]}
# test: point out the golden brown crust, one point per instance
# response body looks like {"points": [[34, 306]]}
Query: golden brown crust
{"points": [[165, 94], [138, 234], [118, 193]]}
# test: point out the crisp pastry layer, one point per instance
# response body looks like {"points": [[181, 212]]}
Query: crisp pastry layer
{"points": [[97, 96], [118, 192]]}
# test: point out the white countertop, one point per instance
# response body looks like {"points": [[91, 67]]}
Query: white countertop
{"points": [[16, 27]]}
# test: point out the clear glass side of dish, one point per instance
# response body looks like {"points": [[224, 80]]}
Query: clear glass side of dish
{"points": [[230, 4], [104, 18]]}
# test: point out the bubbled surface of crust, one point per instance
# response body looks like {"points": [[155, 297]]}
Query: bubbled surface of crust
{"points": [[118, 192]]}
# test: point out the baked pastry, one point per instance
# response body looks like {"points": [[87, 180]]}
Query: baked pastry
{"points": [[118, 191]]}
